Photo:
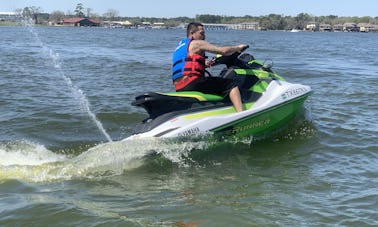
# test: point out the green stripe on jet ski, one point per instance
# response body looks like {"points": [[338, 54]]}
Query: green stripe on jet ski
{"points": [[260, 86], [195, 94], [256, 62], [228, 110], [258, 73]]}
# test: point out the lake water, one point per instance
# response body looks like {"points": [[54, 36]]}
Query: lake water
{"points": [[65, 101]]}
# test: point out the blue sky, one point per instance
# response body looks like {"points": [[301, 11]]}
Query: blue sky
{"points": [[176, 8]]}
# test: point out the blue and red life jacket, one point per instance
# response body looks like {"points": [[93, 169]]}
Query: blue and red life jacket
{"points": [[183, 63]]}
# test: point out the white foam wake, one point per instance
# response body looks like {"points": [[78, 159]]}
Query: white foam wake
{"points": [[26, 154], [33, 162]]}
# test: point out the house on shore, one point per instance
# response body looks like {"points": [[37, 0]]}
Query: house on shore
{"points": [[79, 22], [351, 27], [366, 27], [346, 27], [117, 24], [312, 27], [325, 27], [247, 26], [241, 26], [338, 27], [10, 16]]}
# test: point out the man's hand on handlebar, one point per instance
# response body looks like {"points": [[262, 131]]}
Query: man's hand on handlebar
{"points": [[242, 47]]}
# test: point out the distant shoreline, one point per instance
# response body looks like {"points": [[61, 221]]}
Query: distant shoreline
{"points": [[271, 22], [326, 28]]}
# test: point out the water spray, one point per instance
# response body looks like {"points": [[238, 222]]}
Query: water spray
{"points": [[77, 92]]}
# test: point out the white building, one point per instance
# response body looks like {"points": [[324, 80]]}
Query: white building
{"points": [[9, 16]]}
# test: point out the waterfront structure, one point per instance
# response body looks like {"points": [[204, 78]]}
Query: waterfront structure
{"points": [[346, 27], [338, 27], [241, 26], [350, 27], [311, 27], [117, 24], [366, 27], [325, 27], [9, 16], [78, 22]]}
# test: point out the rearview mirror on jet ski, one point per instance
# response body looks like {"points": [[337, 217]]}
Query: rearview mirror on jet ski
{"points": [[268, 64]]}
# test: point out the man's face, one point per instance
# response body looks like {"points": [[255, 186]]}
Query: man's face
{"points": [[199, 34]]}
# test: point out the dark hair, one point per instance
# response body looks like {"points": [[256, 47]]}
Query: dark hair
{"points": [[192, 27]]}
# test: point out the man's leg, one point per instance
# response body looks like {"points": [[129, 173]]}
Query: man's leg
{"points": [[236, 99]]}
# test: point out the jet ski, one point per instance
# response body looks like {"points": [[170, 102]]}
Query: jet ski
{"points": [[269, 103]]}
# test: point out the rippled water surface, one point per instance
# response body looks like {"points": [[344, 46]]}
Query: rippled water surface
{"points": [[65, 100]]}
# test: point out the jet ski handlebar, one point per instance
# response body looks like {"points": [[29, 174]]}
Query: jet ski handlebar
{"points": [[227, 60], [245, 47]]}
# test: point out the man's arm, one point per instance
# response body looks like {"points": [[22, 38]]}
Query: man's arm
{"points": [[200, 46]]}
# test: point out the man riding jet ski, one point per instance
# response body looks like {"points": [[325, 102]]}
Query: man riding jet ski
{"points": [[188, 66], [269, 102]]}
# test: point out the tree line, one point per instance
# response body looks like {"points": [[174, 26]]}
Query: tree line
{"points": [[269, 22], [281, 22]]}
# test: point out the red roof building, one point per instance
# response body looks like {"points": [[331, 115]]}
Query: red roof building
{"points": [[78, 21]]}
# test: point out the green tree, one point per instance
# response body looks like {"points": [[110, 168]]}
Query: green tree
{"points": [[79, 11], [265, 22], [365, 20], [277, 22], [331, 19], [111, 14], [207, 18], [57, 16], [32, 12], [302, 19], [273, 22]]}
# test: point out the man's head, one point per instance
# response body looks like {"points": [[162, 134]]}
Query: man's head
{"points": [[195, 31]]}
